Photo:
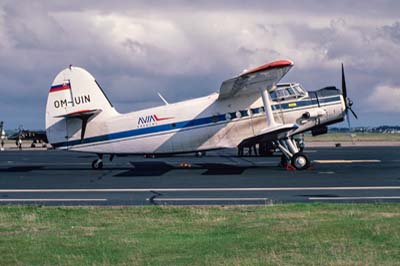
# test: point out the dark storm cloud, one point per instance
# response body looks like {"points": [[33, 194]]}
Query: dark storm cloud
{"points": [[393, 31], [185, 49]]}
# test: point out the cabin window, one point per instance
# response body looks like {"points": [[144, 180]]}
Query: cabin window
{"points": [[255, 110], [244, 113]]}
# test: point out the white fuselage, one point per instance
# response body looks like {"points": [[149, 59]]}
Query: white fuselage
{"points": [[195, 125]]}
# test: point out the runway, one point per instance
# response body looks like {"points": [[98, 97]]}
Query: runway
{"points": [[345, 174]]}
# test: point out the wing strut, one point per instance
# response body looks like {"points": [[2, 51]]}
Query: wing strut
{"points": [[272, 125], [266, 98]]}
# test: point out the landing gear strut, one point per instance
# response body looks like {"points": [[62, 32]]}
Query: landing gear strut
{"points": [[98, 163], [291, 153]]}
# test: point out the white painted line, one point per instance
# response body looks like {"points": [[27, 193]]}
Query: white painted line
{"points": [[33, 200], [208, 199], [193, 189], [353, 198], [347, 161]]}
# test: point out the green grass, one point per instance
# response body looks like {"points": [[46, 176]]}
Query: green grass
{"points": [[293, 234], [345, 137]]}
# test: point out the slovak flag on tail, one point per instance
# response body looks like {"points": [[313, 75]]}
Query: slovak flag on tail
{"points": [[65, 86]]}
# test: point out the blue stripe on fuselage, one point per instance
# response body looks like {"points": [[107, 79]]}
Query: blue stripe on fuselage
{"points": [[183, 124]]}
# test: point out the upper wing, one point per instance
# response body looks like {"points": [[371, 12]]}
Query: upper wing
{"points": [[262, 77]]}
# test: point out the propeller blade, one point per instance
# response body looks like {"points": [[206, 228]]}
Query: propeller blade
{"points": [[344, 89], [354, 113], [348, 104]]}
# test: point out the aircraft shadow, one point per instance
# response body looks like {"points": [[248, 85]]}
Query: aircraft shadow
{"points": [[158, 168], [23, 169], [145, 168]]}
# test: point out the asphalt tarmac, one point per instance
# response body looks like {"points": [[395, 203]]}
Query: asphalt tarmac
{"points": [[344, 174]]}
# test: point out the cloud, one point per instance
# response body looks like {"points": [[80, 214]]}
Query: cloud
{"points": [[185, 49], [385, 99], [393, 31]]}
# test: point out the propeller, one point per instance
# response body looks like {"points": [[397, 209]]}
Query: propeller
{"points": [[348, 103]]}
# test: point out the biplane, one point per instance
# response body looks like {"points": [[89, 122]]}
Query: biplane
{"points": [[249, 108]]}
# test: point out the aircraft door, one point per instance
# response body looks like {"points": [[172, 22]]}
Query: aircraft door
{"points": [[314, 97]]}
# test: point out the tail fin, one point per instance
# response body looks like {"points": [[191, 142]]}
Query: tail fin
{"points": [[74, 98]]}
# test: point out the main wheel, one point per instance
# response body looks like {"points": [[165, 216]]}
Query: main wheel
{"points": [[97, 164], [300, 161]]}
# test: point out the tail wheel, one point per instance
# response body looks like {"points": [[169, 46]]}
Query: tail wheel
{"points": [[200, 153], [97, 164], [300, 161]]}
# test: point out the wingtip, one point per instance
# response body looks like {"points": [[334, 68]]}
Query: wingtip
{"points": [[274, 64], [291, 62]]}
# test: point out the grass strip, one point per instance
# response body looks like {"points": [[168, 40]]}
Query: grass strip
{"points": [[290, 234]]}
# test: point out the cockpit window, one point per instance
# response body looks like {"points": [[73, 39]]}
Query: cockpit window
{"points": [[287, 91], [299, 89], [291, 91]]}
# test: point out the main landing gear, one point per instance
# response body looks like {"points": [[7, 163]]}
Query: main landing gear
{"points": [[292, 155], [98, 163]]}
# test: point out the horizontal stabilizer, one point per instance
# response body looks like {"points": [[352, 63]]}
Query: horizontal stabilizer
{"points": [[81, 113]]}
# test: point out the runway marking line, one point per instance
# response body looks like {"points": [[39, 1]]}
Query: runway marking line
{"points": [[65, 200], [195, 189], [354, 198], [208, 199], [347, 161]]}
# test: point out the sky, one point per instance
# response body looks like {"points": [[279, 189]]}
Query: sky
{"points": [[186, 49]]}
